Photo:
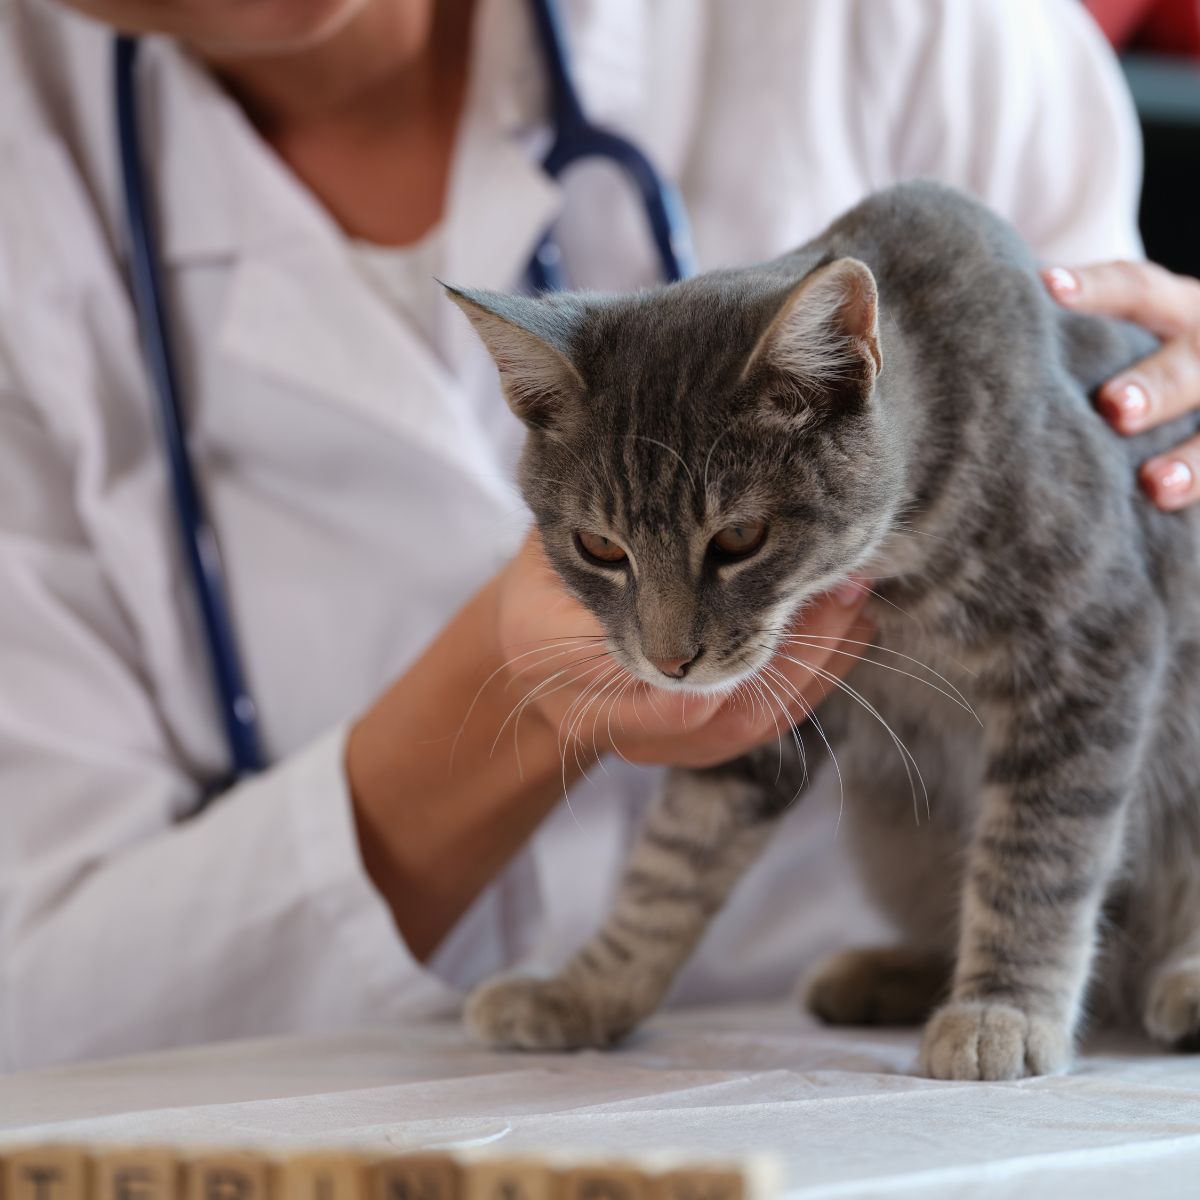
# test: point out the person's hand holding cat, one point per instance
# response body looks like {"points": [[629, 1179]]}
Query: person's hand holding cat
{"points": [[1159, 388], [562, 674]]}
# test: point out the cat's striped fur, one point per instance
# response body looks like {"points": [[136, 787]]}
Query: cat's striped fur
{"points": [[1058, 843]]}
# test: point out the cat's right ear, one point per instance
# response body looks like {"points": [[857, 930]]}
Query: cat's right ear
{"points": [[823, 340], [527, 340]]}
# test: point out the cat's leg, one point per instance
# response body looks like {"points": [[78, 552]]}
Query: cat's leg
{"points": [[879, 985], [1062, 753], [699, 835], [907, 832], [1169, 889], [1172, 1006]]}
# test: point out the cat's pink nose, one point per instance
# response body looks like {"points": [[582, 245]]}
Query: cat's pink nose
{"points": [[676, 668]]}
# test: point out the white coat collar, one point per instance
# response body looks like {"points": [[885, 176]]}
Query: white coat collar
{"points": [[294, 291], [222, 192]]}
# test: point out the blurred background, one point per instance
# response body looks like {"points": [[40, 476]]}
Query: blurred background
{"points": [[1159, 44]]}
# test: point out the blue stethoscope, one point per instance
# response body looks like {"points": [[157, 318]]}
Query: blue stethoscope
{"points": [[575, 139]]}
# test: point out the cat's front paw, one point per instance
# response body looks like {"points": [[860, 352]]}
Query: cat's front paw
{"points": [[518, 1012], [1172, 1013], [971, 1039], [886, 985]]}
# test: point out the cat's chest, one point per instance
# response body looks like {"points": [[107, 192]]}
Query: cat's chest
{"points": [[917, 675]]}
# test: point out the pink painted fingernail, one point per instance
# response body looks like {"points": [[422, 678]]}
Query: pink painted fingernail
{"points": [[1063, 283], [1175, 477], [1126, 404]]}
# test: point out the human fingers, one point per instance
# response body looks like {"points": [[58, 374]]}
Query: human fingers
{"points": [[817, 651], [1158, 389], [1142, 292], [1172, 480]]}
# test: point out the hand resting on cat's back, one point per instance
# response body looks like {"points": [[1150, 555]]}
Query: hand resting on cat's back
{"points": [[1019, 748]]}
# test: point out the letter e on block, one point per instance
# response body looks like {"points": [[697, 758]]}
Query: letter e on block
{"points": [[415, 1177], [605, 1183], [46, 1173], [226, 1176], [135, 1174]]}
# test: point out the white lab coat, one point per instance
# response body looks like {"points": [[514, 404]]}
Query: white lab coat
{"points": [[358, 475]]}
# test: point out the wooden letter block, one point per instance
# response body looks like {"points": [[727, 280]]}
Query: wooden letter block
{"points": [[135, 1174], [509, 1179], [46, 1173], [319, 1177], [226, 1177], [700, 1183], [605, 1183], [415, 1177]]}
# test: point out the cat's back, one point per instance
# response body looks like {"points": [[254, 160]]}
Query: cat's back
{"points": [[923, 236]]}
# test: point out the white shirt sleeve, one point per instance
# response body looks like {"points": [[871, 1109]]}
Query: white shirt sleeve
{"points": [[1020, 102], [123, 927]]}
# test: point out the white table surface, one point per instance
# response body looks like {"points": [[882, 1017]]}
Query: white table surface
{"points": [[836, 1105]]}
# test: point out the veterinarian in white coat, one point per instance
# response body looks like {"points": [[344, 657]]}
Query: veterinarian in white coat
{"points": [[356, 457]]}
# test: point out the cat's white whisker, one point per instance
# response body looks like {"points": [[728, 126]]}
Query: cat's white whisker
{"points": [[708, 457], [811, 716], [956, 698], [578, 708], [482, 687], [906, 756], [832, 637], [641, 437], [539, 691]]}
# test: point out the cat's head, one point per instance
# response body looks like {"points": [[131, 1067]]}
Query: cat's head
{"points": [[701, 457]]}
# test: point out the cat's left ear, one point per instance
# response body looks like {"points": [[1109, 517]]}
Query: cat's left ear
{"points": [[528, 339], [824, 337]]}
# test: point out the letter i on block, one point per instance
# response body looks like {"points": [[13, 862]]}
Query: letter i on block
{"points": [[45, 1173], [135, 1174]]}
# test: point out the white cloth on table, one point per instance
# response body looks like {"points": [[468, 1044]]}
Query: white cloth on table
{"points": [[835, 1105]]}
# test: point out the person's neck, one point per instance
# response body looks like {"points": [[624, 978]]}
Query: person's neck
{"points": [[367, 116], [381, 49]]}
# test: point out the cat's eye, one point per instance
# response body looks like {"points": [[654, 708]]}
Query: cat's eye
{"points": [[598, 549], [738, 541]]}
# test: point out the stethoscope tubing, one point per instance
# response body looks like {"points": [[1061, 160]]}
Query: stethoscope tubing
{"points": [[575, 139], [239, 716]]}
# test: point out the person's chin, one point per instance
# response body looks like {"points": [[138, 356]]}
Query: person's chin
{"points": [[269, 27]]}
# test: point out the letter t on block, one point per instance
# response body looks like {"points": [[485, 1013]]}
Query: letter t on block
{"points": [[46, 1173]]}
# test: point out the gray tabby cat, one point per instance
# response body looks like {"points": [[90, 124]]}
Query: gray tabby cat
{"points": [[898, 398]]}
